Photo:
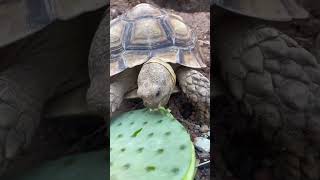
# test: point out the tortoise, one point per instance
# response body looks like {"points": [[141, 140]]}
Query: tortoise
{"points": [[154, 50], [274, 78]]}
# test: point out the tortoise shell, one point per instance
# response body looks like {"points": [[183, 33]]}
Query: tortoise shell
{"points": [[145, 32]]}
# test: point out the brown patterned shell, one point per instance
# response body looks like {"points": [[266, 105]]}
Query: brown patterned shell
{"points": [[145, 32]]}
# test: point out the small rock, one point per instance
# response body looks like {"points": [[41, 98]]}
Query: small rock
{"points": [[114, 13], [203, 144], [204, 128], [205, 135]]}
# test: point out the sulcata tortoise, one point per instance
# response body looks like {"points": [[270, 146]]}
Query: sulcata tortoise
{"points": [[153, 50]]}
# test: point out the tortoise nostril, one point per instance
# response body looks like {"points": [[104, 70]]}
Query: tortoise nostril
{"points": [[158, 93]]}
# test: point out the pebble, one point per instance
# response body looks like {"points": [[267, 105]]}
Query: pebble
{"points": [[203, 144], [114, 13], [204, 128]]}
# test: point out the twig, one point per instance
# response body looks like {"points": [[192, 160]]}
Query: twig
{"points": [[190, 123], [204, 42], [202, 164]]}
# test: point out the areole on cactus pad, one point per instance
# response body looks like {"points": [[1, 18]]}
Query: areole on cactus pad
{"points": [[147, 145]]}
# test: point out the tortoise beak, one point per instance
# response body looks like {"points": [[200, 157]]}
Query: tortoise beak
{"points": [[144, 97], [150, 105]]}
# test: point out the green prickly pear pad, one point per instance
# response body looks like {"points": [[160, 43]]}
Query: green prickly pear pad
{"points": [[150, 145]]}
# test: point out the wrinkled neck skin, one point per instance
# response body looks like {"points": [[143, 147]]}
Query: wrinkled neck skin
{"points": [[154, 85]]}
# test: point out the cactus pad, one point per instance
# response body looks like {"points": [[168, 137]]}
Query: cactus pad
{"points": [[150, 145]]}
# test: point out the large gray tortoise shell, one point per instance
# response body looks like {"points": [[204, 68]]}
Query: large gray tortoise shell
{"points": [[145, 32]]}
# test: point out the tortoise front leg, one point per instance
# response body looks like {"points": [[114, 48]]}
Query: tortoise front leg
{"points": [[116, 96], [97, 92], [197, 89], [122, 83]]}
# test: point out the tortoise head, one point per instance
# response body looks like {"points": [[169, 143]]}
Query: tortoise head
{"points": [[156, 82]]}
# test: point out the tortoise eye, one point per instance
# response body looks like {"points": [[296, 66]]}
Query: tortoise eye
{"points": [[158, 93]]}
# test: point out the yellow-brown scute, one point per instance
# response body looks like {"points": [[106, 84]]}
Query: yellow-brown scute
{"points": [[148, 31], [143, 9]]}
